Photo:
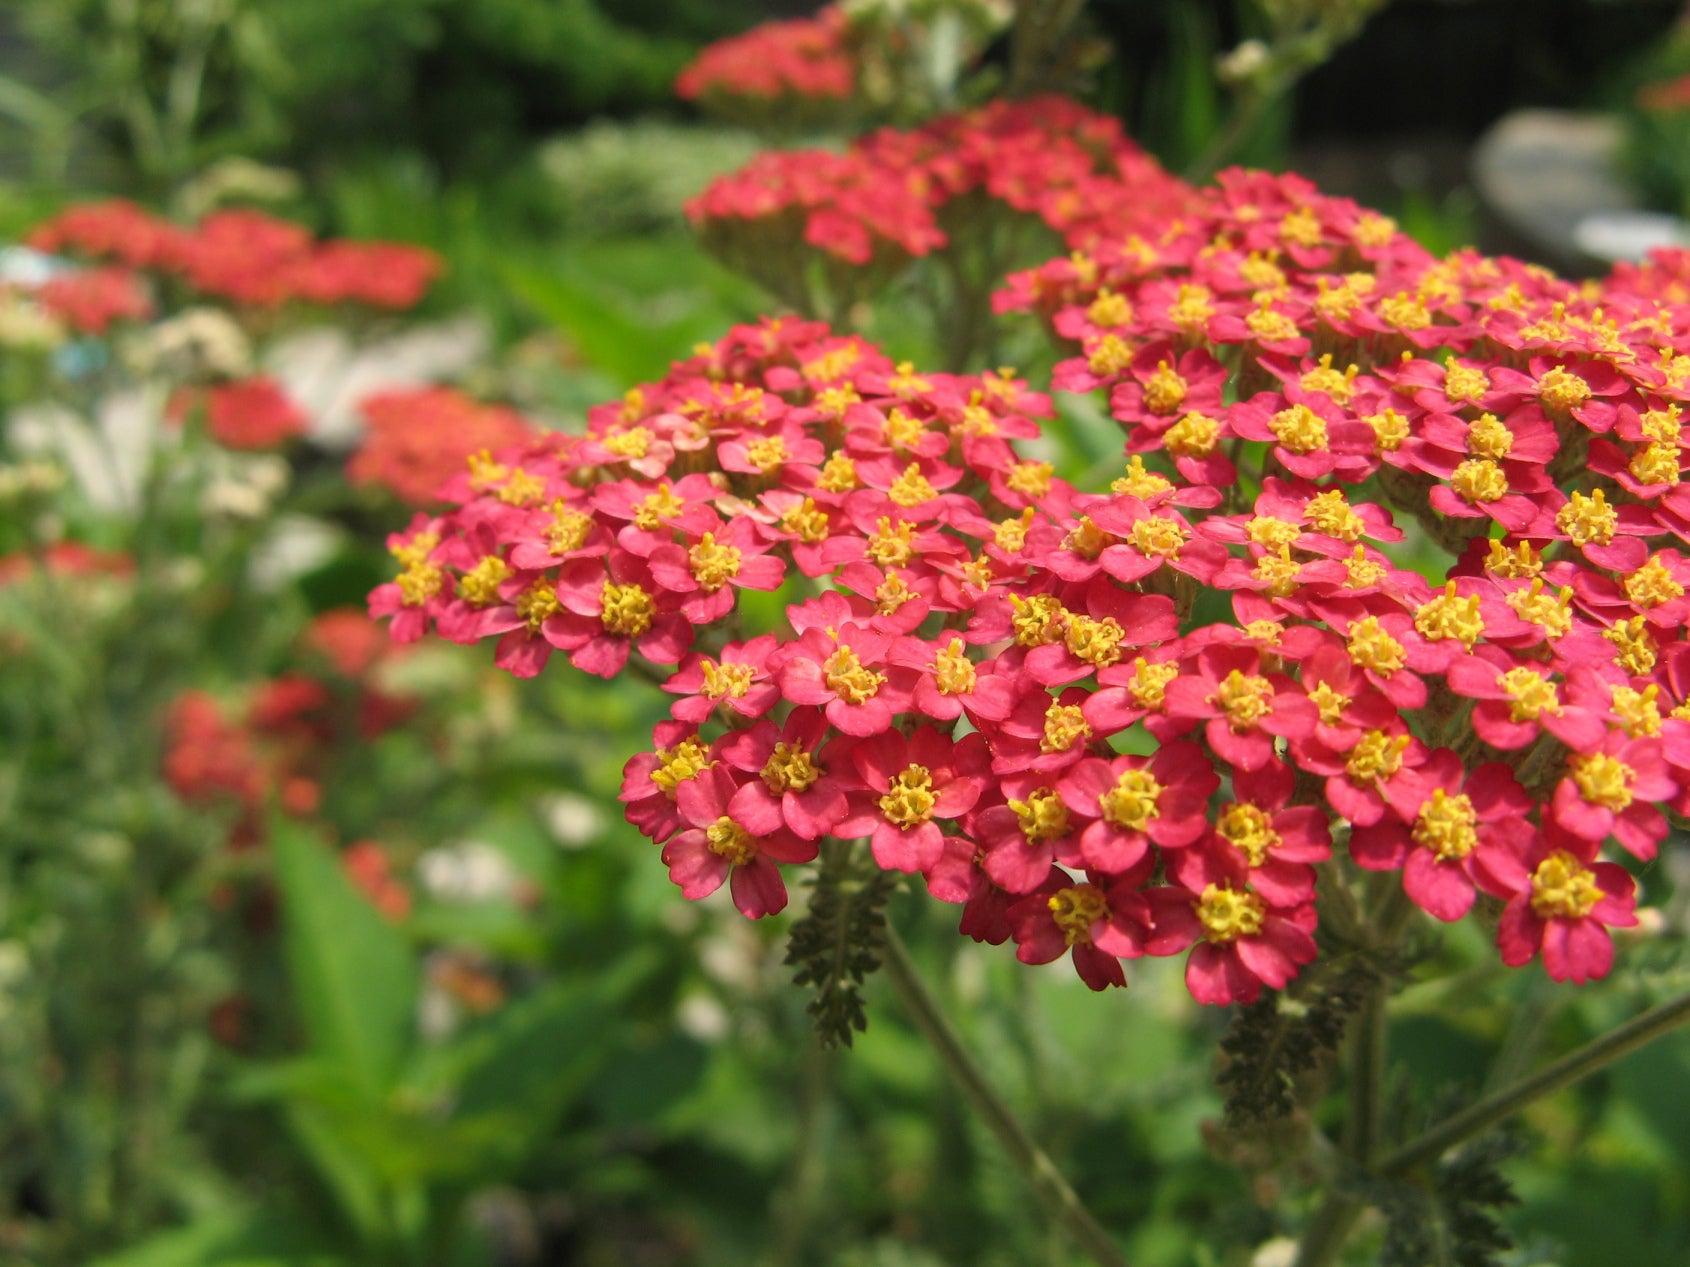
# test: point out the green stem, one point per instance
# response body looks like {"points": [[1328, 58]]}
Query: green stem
{"points": [[1577, 1065], [1060, 1200]]}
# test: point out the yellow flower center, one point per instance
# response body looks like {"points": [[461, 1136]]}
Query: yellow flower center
{"points": [[713, 565], [1361, 571], [1109, 355], [656, 507], [1194, 435], [1228, 914], [1451, 616], [536, 603], [1329, 702], [1042, 816], [726, 681], [1138, 481], [419, 582], [1086, 539], [686, 760], [1010, 535], [727, 839], [1065, 726], [1530, 694], [635, 442], [1037, 621], [1149, 683], [1561, 391], [849, 678], [1479, 480], [1331, 513], [1639, 711], [1109, 309], [766, 454], [1651, 585], [893, 544], [1634, 645], [1339, 385], [1075, 909], [909, 799], [911, 488], [568, 529], [1463, 384], [1655, 464], [891, 594], [484, 472], [1390, 430], [480, 585], [953, 671], [1662, 425], [1515, 564], [1563, 887], [838, 473], [1489, 437], [1191, 309], [1244, 698], [789, 769], [1030, 479], [1588, 520], [1372, 647], [1404, 311], [1447, 825], [1300, 228], [1602, 780], [1553, 613], [625, 610], [1164, 390], [901, 431], [1158, 536], [1376, 758], [1097, 642], [1278, 572], [1249, 829], [1132, 802], [1299, 429], [1271, 533], [1268, 324], [807, 521]]}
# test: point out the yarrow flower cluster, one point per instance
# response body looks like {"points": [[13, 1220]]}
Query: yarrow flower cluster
{"points": [[899, 194], [281, 740], [1394, 567], [777, 62], [416, 438], [241, 256]]}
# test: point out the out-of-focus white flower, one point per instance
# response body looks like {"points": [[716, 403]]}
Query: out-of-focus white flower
{"points": [[328, 373], [574, 820], [244, 487], [25, 325], [193, 344], [703, 1017], [472, 871], [106, 455], [295, 545]]}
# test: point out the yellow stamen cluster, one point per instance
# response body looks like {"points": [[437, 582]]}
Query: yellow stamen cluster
{"points": [[1563, 888], [1228, 914], [789, 769], [849, 678], [1447, 825], [728, 840], [1133, 802], [1249, 829], [1075, 909], [1042, 816], [1244, 699], [910, 798]]}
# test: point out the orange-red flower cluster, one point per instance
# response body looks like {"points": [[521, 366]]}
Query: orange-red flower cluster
{"points": [[890, 191], [796, 58], [243, 256], [417, 438], [1397, 565], [279, 742]]}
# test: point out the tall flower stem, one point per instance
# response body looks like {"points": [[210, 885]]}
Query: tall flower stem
{"points": [[1571, 1068], [1060, 1200]]}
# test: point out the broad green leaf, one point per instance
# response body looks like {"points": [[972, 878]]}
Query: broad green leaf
{"points": [[353, 974], [231, 1240]]}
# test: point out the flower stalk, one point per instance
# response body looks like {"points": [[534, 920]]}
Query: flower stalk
{"points": [[1054, 1191]]}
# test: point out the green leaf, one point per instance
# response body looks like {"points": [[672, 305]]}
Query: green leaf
{"points": [[353, 974], [230, 1240]]}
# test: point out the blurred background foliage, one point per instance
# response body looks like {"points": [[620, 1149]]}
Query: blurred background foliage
{"points": [[551, 1059]]}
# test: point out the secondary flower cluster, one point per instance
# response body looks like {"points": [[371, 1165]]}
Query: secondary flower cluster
{"points": [[241, 256], [888, 193], [415, 438], [281, 743], [776, 62], [1394, 568]]}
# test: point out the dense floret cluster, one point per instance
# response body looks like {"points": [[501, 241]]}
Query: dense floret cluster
{"points": [[798, 58], [904, 194], [1394, 567], [240, 256]]}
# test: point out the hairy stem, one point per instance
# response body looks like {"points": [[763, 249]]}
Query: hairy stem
{"points": [[1060, 1200], [1571, 1068]]}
